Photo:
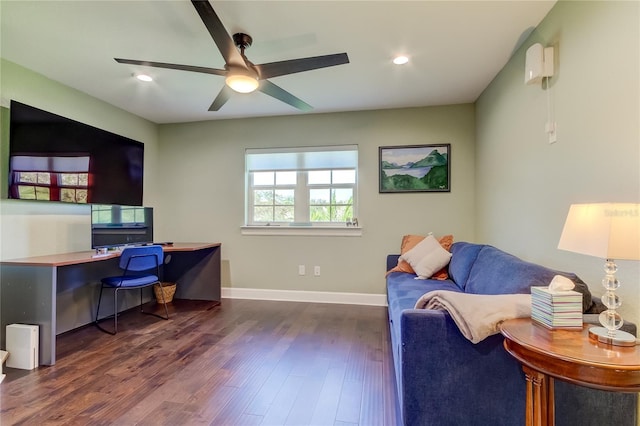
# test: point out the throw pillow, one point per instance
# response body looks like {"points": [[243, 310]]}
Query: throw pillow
{"points": [[427, 257], [409, 242]]}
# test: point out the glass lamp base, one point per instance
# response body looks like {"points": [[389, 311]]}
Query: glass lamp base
{"points": [[620, 338]]}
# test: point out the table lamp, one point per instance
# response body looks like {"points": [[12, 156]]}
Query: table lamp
{"points": [[608, 231]]}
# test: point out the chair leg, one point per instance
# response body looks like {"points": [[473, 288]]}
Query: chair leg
{"points": [[115, 311], [164, 302], [99, 300], [97, 320]]}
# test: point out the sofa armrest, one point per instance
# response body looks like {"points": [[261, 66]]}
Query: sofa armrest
{"points": [[440, 364]]}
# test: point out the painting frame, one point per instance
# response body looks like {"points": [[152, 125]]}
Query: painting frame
{"points": [[427, 167]]}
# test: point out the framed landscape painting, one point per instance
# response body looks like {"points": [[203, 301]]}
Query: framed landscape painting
{"points": [[415, 168]]}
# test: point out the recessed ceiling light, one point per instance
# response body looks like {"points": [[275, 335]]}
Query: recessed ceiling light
{"points": [[143, 77], [400, 60]]}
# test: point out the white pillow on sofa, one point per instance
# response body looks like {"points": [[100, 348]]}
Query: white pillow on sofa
{"points": [[427, 257]]}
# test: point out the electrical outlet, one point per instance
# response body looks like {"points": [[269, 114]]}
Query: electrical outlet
{"points": [[301, 270], [316, 271]]}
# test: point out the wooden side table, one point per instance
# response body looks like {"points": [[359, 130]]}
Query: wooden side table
{"points": [[570, 356]]}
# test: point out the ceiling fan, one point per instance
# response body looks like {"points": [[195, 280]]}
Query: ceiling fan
{"points": [[241, 74]]}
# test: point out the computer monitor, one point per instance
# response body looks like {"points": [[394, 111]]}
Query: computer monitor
{"points": [[113, 225]]}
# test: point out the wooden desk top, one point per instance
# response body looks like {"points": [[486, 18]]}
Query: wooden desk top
{"points": [[88, 256], [571, 356]]}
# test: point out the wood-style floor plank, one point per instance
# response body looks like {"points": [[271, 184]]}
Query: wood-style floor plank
{"points": [[244, 362]]}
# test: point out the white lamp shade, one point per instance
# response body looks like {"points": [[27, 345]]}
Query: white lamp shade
{"points": [[606, 230]]}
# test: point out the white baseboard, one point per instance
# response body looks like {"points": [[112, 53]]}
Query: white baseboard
{"points": [[305, 296]]}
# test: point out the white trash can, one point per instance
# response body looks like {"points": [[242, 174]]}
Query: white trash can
{"points": [[22, 345]]}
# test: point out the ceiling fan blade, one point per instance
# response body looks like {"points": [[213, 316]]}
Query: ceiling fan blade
{"points": [[221, 99], [279, 93], [220, 36], [275, 69], [192, 68]]}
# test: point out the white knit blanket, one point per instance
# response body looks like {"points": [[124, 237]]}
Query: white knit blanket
{"points": [[477, 315]]}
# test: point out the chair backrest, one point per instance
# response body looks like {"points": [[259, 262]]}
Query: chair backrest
{"points": [[141, 258]]}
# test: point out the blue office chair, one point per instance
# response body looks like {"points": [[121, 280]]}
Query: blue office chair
{"points": [[141, 268]]}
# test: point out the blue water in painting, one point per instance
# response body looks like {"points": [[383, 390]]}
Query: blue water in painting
{"points": [[418, 172]]}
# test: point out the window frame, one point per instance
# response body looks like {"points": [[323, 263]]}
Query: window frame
{"points": [[302, 188]]}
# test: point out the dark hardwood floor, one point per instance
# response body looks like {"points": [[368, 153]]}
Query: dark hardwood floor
{"points": [[244, 362]]}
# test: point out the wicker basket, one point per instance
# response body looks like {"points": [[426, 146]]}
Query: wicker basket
{"points": [[169, 289]]}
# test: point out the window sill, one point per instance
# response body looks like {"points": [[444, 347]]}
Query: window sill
{"points": [[318, 231]]}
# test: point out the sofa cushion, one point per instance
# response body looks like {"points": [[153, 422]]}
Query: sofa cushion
{"points": [[463, 256], [427, 257], [405, 287], [497, 272], [404, 290], [409, 242]]}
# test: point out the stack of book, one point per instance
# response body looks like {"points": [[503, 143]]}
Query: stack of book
{"points": [[556, 309]]}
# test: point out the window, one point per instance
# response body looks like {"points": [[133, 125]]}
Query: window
{"points": [[50, 178], [110, 214], [311, 186]]}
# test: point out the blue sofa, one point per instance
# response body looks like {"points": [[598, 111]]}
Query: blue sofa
{"points": [[443, 379]]}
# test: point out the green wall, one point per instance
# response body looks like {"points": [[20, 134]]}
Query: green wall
{"points": [[203, 194], [524, 184]]}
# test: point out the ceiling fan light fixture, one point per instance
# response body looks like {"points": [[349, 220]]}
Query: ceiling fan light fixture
{"points": [[242, 83]]}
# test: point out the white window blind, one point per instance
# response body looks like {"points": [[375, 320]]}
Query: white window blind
{"points": [[305, 158]]}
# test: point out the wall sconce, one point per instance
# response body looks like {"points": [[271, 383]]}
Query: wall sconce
{"points": [[538, 64]]}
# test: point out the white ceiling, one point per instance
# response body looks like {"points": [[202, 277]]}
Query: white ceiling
{"points": [[456, 49]]}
